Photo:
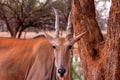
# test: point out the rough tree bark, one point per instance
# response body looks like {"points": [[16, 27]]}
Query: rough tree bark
{"points": [[99, 58], [113, 43]]}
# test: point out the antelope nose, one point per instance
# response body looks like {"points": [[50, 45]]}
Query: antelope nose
{"points": [[61, 72]]}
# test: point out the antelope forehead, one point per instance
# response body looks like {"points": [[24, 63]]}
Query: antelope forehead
{"points": [[61, 40]]}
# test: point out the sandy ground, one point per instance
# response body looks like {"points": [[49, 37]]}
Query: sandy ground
{"points": [[25, 35]]}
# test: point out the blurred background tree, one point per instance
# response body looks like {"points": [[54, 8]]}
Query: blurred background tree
{"points": [[19, 15]]}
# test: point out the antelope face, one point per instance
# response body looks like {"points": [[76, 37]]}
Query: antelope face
{"points": [[62, 46], [62, 52]]}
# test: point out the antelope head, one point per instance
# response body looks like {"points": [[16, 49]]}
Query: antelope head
{"points": [[62, 47]]}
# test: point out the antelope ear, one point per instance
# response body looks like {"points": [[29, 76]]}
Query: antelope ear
{"points": [[78, 37], [50, 38]]}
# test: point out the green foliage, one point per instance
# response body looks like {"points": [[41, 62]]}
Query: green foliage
{"points": [[75, 75]]}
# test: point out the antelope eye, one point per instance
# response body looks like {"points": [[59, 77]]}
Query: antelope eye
{"points": [[54, 47], [70, 47]]}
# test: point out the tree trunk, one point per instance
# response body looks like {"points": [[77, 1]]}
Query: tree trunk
{"points": [[99, 57], [12, 32], [113, 43], [20, 31]]}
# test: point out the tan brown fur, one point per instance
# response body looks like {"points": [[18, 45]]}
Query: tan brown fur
{"points": [[18, 56]]}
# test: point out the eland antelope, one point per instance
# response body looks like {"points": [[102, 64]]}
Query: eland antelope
{"points": [[43, 58]]}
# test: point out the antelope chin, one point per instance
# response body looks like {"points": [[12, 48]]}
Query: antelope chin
{"points": [[61, 76]]}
